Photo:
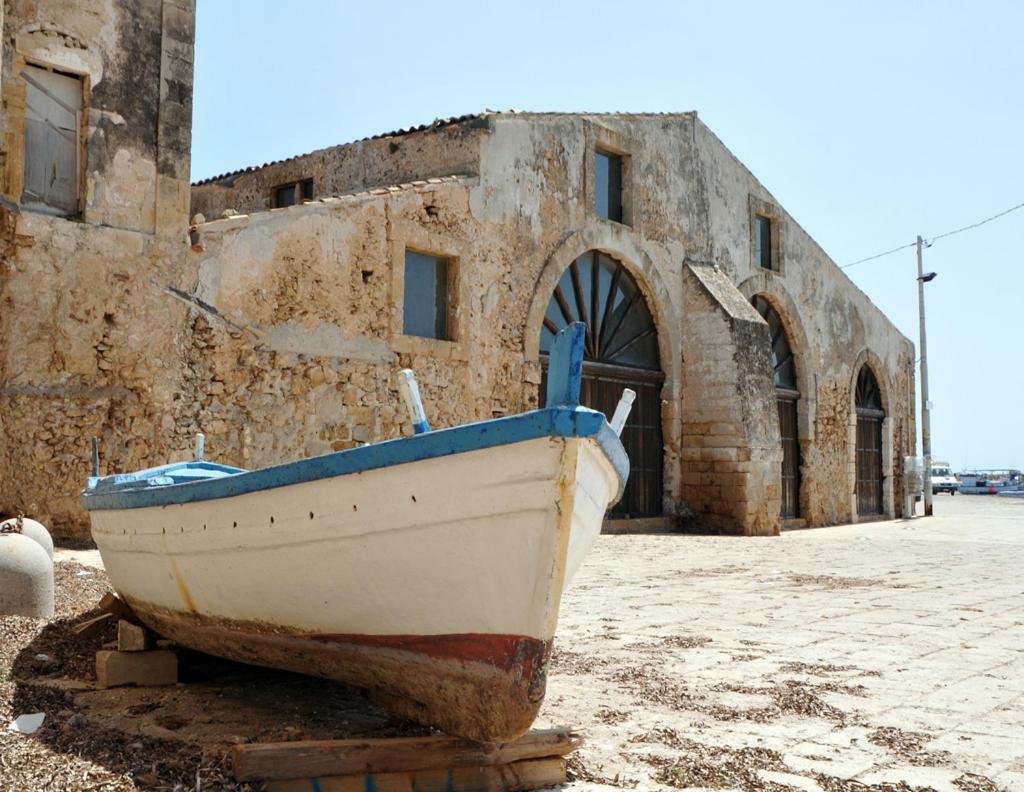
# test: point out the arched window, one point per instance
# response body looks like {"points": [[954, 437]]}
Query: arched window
{"points": [[870, 415], [787, 395], [869, 397], [782, 355], [621, 352], [598, 291]]}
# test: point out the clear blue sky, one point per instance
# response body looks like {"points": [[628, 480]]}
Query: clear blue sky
{"points": [[871, 122]]}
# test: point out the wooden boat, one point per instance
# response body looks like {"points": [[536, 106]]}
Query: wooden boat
{"points": [[427, 570]]}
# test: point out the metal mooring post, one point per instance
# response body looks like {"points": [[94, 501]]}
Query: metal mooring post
{"points": [[926, 430]]}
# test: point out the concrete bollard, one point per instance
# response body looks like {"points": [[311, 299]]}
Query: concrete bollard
{"points": [[31, 529], [26, 577]]}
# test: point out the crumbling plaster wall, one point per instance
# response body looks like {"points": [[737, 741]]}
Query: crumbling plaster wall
{"points": [[537, 177], [731, 450], [279, 333], [445, 150], [90, 344], [299, 351], [831, 325], [318, 289]]}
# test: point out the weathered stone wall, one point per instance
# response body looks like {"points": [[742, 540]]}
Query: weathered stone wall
{"points": [[90, 344], [731, 452], [320, 287], [513, 230], [298, 357], [282, 333], [443, 149], [833, 329]]}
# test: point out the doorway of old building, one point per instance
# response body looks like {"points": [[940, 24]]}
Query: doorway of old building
{"points": [[621, 352], [870, 415], [787, 395]]}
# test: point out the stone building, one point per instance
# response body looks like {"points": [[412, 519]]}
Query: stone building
{"points": [[750, 351], [95, 134], [769, 387]]}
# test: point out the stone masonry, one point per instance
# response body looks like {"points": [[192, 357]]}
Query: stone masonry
{"points": [[513, 220], [88, 338], [278, 332]]}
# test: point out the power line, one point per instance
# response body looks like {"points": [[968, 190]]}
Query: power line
{"points": [[879, 255], [933, 239], [979, 223]]}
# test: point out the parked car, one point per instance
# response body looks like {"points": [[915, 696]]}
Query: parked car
{"points": [[943, 479]]}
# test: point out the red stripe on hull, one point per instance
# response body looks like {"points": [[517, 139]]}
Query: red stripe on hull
{"points": [[481, 686], [501, 651]]}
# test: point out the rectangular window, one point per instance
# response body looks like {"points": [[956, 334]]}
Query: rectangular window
{"points": [[608, 186], [289, 194], [284, 196], [53, 143], [425, 312], [763, 242]]}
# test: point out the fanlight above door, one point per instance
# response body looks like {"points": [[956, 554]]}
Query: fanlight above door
{"points": [[782, 354], [598, 291], [868, 396]]}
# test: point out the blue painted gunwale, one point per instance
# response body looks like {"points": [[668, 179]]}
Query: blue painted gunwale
{"points": [[200, 480]]}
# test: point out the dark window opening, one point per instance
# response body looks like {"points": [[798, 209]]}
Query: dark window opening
{"points": [[425, 310], [288, 194], [787, 395], [763, 252], [783, 361], [53, 148], [284, 196], [608, 186], [870, 415]]}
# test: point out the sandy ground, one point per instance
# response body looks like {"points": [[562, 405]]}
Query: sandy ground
{"points": [[886, 657], [882, 656]]}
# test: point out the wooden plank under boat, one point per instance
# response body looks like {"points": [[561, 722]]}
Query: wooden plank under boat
{"points": [[426, 570]]}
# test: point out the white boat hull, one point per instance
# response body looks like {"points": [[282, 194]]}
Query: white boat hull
{"points": [[434, 584]]}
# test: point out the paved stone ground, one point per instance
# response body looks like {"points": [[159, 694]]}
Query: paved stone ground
{"points": [[883, 656]]}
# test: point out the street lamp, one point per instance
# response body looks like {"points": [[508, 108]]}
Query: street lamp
{"points": [[926, 431]]}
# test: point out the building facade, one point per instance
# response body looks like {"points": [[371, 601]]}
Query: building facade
{"points": [[95, 133], [770, 389], [750, 351]]}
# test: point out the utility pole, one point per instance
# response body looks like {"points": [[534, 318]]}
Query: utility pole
{"points": [[926, 431]]}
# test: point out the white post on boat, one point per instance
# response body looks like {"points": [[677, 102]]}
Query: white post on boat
{"points": [[622, 410], [411, 395], [200, 445]]}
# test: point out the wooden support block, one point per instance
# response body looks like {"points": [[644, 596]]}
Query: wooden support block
{"points": [[132, 637], [112, 603], [149, 669], [323, 758], [90, 628], [513, 777]]}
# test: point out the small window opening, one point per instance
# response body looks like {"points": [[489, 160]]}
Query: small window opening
{"points": [[763, 253], [608, 186], [425, 312], [289, 194], [284, 196], [53, 149]]}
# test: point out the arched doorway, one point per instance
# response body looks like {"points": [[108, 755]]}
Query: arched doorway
{"points": [[621, 352], [787, 395], [870, 415]]}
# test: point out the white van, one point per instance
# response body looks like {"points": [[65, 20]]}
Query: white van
{"points": [[943, 479]]}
